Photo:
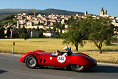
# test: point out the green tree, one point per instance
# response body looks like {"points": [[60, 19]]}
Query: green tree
{"points": [[1, 24], [19, 31], [24, 35], [2, 35], [76, 32], [15, 33], [101, 31], [40, 33], [8, 34], [9, 20], [59, 26]]}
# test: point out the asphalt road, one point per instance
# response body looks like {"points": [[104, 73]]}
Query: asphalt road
{"points": [[11, 68]]}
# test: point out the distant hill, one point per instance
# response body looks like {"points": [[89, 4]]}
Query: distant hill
{"points": [[47, 11], [4, 15], [60, 12], [16, 10], [7, 12]]}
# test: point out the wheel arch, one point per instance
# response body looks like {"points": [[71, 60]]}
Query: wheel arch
{"points": [[79, 60], [30, 55], [23, 57]]}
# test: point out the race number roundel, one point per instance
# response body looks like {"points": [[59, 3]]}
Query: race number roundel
{"points": [[61, 59]]}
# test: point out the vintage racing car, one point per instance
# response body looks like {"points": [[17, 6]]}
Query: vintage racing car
{"points": [[76, 62]]}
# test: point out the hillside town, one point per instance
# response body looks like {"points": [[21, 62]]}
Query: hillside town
{"points": [[47, 21]]}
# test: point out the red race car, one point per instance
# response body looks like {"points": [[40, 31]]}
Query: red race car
{"points": [[76, 62]]}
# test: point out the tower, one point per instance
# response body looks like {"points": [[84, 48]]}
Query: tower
{"points": [[102, 12], [86, 13], [105, 12], [34, 13]]}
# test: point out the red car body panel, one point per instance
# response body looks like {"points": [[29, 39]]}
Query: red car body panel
{"points": [[47, 59]]}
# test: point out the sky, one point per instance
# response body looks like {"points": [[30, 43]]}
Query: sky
{"points": [[92, 6]]}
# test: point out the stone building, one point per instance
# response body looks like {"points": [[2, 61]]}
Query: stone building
{"points": [[103, 13]]}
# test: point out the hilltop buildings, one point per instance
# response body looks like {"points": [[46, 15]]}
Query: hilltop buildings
{"points": [[44, 21], [47, 21], [41, 21]]}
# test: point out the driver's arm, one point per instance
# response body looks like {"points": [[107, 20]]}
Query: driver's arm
{"points": [[65, 54]]}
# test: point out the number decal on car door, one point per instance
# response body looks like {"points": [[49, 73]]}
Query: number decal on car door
{"points": [[61, 59]]}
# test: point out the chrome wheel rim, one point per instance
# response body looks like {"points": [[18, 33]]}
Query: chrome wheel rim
{"points": [[77, 67], [31, 61]]}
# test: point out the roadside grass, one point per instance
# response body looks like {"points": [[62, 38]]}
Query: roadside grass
{"points": [[110, 53]]}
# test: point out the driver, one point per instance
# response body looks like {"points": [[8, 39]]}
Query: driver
{"points": [[56, 53], [68, 51]]}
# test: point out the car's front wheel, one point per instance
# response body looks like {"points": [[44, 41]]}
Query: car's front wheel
{"points": [[31, 61], [79, 68]]}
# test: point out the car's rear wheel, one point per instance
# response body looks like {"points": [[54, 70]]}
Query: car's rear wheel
{"points": [[31, 61], [79, 68]]}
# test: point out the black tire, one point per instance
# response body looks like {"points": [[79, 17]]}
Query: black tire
{"points": [[31, 62], [79, 68]]}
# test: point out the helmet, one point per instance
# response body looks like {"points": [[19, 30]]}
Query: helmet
{"points": [[67, 47]]}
